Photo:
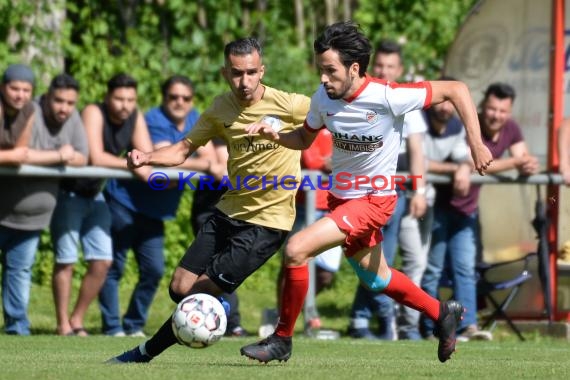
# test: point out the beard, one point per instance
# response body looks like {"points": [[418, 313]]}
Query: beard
{"points": [[344, 90]]}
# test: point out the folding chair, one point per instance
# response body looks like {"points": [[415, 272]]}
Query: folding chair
{"points": [[487, 288]]}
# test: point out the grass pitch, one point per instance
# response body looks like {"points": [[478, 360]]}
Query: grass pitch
{"points": [[46, 356], [52, 357]]}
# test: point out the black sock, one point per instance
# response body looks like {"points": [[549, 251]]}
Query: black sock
{"points": [[161, 340]]}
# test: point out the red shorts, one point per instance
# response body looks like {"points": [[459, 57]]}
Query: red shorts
{"points": [[361, 219]]}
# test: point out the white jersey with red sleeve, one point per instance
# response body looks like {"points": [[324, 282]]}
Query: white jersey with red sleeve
{"points": [[367, 132]]}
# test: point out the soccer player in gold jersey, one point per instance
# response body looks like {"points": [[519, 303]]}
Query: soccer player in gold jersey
{"points": [[255, 215]]}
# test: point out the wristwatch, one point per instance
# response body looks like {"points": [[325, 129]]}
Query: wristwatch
{"points": [[420, 190]]}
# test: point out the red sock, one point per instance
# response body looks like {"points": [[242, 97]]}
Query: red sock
{"points": [[404, 291], [296, 284]]}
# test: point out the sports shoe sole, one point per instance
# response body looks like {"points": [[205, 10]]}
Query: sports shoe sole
{"points": [[283, 358]]}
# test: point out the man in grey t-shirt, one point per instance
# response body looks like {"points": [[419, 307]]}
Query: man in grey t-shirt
{"points": [[59, 131], [27, 203]]}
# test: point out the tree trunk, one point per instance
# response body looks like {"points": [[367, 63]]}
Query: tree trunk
{"points": [[300, 24], [346, 9], [245, 15], [261, 29], [43, 49], [330, 11], [202, 18]]}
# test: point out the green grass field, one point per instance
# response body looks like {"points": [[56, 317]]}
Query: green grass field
{"points": [[46, 356], [49, 357]]}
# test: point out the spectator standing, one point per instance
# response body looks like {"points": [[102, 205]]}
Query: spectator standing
{"points": [[18, 238], [454, 232], [53, 142], [113, 127], [57, 119]]}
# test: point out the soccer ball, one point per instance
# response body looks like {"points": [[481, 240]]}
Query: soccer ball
{"points": [[199, 321]]}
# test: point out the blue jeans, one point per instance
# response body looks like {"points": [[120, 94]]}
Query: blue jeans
{"points": [[367, 302], [145, 236], [18, 252], [454, 238]]}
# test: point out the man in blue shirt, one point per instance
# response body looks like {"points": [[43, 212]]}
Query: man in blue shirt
{"points": [[168, 124]]}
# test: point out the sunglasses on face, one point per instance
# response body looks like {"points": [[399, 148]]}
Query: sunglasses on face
{"points": [[175, 97]]}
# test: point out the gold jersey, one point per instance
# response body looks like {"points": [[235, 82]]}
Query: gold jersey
{"points": [[263, 176]]}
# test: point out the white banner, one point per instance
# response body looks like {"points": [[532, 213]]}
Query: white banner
{"points": [[509, 41]]}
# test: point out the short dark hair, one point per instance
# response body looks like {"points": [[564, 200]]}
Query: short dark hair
{"points": [[121, 80], [347, 39], [242, 46], [182, 79], [500, 90], [388, 47], [63, 81]]}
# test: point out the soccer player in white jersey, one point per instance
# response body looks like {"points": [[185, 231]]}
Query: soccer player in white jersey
{"points": [[402, 234], [365, 116]]}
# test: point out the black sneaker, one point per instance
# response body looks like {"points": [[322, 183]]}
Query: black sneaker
{"points": [[271, 348], [449, 316], [132, 356]]}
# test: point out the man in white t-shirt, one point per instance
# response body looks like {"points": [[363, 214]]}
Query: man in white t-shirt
{"points": [[366, 117], [403, 228]]}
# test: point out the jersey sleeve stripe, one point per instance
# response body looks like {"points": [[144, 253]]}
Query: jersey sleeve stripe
{"points": [[311, 129], [423, 84], [427, 102]]}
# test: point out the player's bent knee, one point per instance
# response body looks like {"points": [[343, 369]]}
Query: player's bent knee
{"points": [[175, 296], [294, 254], [176, 290], [371, 280]]}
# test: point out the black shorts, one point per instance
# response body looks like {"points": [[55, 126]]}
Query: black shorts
{"points": [[204, 205], [228, 250]]}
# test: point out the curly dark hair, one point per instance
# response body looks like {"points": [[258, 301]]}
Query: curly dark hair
{"points": [[347, 39]]}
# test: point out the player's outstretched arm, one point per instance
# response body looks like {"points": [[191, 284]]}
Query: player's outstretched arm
{"points": [[458, 93], [171, 155], [299, 139]]}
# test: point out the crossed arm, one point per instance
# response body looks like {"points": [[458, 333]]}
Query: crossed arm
{"points": [[19, 153]]}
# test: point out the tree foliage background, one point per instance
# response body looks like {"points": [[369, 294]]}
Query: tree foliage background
{"points": [[152, 39]]}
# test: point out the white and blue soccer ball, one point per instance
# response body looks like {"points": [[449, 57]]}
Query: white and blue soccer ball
{"points": [[199, 321]]}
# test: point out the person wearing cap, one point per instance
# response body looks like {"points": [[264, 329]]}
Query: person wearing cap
{"points": [[15, 113], [18, 237]]}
